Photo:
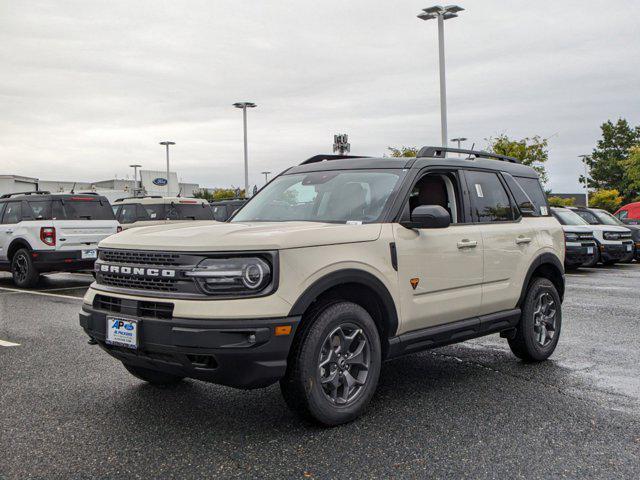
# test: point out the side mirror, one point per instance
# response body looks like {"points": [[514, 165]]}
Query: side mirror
{"points": [[527, 209], [428, 216]]}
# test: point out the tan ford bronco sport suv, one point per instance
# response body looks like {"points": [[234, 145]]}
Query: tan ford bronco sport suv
{"points": [[336, 265]]}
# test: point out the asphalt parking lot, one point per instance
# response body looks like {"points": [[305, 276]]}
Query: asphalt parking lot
{"points": [[466, 411]]}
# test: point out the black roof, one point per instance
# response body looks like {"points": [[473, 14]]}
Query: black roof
{"points": [[369, 163], [39, 196]]}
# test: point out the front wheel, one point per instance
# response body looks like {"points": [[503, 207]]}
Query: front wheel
{"points": [[154, 377], [540, 323], [23, 270], [334, 365]]}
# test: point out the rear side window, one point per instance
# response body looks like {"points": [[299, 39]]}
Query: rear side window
{"points": [[83, 208], [153, 212], [490, 201], [12, 213], [127, 213], [40, 210], [220, 212], [533, 189]]}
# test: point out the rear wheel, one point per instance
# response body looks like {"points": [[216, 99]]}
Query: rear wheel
{"points": [[23, 270], [334, 365], [539, 329], [152, 376]]}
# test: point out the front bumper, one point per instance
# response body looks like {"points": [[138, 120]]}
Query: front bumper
{"points": [[578, 254], [60, 261], [241, 353], [615, 252]]}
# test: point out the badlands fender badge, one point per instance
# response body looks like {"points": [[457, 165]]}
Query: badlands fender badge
{"points": [[414, 282]]}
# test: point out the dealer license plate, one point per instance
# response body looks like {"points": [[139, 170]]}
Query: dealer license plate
{"points": [[122, 332], [89, 254], [589, 250]]}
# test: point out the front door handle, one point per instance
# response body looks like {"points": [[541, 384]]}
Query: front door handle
{"points": [[467, 244], [9, 232], [523, 240]]}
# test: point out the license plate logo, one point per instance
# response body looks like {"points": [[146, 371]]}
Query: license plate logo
{"points": [[89, 254], [122, 332]]}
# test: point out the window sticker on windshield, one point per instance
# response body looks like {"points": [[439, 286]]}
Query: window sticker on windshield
{"points": [[479, 190], [543, 210], [354, 222]]}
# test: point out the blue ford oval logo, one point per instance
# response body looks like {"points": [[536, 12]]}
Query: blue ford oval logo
{"points": [[160, 181]]}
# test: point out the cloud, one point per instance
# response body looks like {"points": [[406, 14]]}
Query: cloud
{"points": [[88, 88]]}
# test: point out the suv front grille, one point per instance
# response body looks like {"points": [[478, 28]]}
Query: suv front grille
{"points": [[139, 257], [162, 310], [138, 283]]}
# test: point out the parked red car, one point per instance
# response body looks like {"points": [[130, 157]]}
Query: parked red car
{"points": [[629, 213]]}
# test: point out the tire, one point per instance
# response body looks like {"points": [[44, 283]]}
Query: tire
{"points": [[154, 377], [527, 343], [343, 337], [25, 274], [610, 262]]}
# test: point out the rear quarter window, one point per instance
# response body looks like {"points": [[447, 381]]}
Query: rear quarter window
{"points": [[534, 191]]}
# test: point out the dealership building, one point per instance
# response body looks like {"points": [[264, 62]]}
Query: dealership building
{"points": [[150, 182]]}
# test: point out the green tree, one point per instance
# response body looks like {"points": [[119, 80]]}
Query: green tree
{"points": [[532, 151], [608, 200], [219, 193], [403, 151], [560, 202], [607, 162], [631, 166]]}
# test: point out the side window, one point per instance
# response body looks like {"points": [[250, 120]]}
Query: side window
{"points": [[534, 190], [622, 214], [153, 212], [127, 213], [12, 213], [441, 189], [523, 201], [41, 209], [588, 216], [172, 213], [490, 201], [1, 210]]}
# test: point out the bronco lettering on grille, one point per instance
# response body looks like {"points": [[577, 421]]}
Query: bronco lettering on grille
{"points": [[137, 271]]}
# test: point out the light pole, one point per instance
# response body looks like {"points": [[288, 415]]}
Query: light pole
{"points": [[244, 106], [166, 144], [441, 14], [586, 178], [459, 141], [266, 176], [135, 179]]}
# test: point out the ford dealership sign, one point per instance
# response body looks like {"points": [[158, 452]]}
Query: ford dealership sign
{"points": [[161, 182]]}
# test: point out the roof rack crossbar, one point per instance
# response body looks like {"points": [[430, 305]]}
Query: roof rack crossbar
{"points": [[139, 196], [321, 158], [15, 194], [441, 151]]}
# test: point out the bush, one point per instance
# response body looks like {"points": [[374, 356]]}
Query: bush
{"points": [[561, 202], [609, 200]]}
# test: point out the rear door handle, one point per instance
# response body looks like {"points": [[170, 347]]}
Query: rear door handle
{"points": [[9, 231], [467, 244], [523, 240]]}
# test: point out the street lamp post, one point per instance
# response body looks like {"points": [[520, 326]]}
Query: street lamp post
{"points": [[244, 106], [135, 179], [266, 176], [166, 144], [459, 141], [586, 178], [441, 14]]}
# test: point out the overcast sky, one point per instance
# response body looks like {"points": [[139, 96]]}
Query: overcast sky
{"points": [[89, 87]]}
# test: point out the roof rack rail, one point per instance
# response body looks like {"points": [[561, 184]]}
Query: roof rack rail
{"points": [[143, 196], [15, 194], [441, 151], [322, 158]]}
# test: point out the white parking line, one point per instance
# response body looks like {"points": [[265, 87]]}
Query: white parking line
{"points": [[4, 343], [33, 292]]}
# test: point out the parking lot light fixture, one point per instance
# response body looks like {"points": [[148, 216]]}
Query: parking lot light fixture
{"points": [[135, 179], [167, 144], [441, 14], [244, 106], [266, 176], [459, 141]]}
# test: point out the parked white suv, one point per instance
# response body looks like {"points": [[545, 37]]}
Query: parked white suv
{"points": [[333, 267], [154, 210], [42, 232]]}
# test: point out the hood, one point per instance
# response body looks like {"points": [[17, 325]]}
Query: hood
{"points": [[214, 236], [608, 228], [577, 228]]}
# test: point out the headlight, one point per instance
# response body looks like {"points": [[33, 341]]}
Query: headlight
{"points": [[611, 236], [571, 237], [236, 276]]}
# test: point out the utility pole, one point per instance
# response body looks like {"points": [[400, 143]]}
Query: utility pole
{"points": [[167, 144], [441, 14], [244, 106]]}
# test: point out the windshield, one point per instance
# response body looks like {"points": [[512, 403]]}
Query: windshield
{"points": [[340, 196], [606, 218], [567, 217]]}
